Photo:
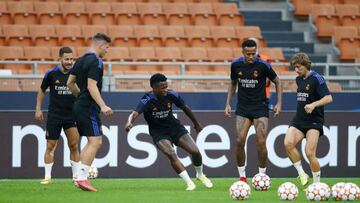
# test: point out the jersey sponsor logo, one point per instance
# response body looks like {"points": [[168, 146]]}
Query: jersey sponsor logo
{"points": [[57, 82], [301, 96], [255, 73], [169, 105], [307, 87], [154, 109], [248, 83], [240, 73]]}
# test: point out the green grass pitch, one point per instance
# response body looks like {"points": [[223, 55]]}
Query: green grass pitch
{"points": [[167, 190]]}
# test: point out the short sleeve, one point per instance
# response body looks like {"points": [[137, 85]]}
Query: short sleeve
{"points": [[176, 99], [321, 88], [233, 75], [46, 81], [141, 105], [270, 73], [75, 69], [95, 68]]}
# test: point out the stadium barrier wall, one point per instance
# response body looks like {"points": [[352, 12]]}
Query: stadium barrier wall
{"points": [[133, 155]]}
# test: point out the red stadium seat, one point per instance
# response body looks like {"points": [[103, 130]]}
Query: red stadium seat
{"points": [[74, 13], [225, 36], [122, 35], [22, 12], [70, 35], [5, 17], [228, 14], [148, 36], [202, 13], [43, 35], [100, 13], [151, 13], [199, 36], [177, 13], [48, 12], [17, 35], [173, 36], [126, 13]]}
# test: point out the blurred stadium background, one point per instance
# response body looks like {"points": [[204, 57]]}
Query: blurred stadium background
{"points": [[193, 43]]}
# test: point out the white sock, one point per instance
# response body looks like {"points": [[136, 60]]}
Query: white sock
{"points": [[316, 177], [262, 170], [299, 167], [74, 168], [82, 171], [48, 168], [185, 176], [241, 170], [199, 170]]}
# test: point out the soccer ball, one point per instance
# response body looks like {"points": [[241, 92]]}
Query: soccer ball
{"points": [[239, 190], [288, 191], [337, 191], [318, 192], [93, 172], [261, 181], [351, 192]]}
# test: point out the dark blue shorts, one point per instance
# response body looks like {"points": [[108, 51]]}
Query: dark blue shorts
{"points": [[254, 111], [172, 134], [88, 120], [54, 126], [305, 127]]}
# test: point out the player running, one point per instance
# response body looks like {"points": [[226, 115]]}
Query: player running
{"points": [[166, 130]]}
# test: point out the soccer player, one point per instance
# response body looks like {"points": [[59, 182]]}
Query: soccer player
{"points": [[166, 130], [312, 96], [60, 114], [248, 75], [85, 82]]}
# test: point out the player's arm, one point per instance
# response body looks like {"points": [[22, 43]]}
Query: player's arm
{"points": [[130, 120], [71, 83], [230, 95], [327, 99], [279, 93], [39, 101], [186, 109], [95, 94]]}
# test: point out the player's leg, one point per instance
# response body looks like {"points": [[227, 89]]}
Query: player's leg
{"points": [[242, 127], [187, 143], [53, 129], [312, 138], [49, 160], [73, 137], [292, 138], [166, 147], [261, 127]]}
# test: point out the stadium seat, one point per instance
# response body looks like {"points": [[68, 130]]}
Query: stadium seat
{"points": [[223, 54], [357, 59], [237, 52], [325, 19], [169, 54], [352, 2], [144, 54], [151, 13], [274, 54], [13, 53], [341, 32], [81, 51], [9, 84], [17, 35], [347, 48], [118, 54], [70, 35], [302, 8], [195, 54], [122, 35], [43, 35], [5, 17], [333, 2], [74, 13], [244, 32], [88, 31], [202, 13], [177, 13], [29, 84], [2, 37], [228, 14], [126, 13], [37, 53], [148, 36], [199, 36], [173, 36], [350, 10], [48, 13], [100, 13], [22, 12], [225, 36]]}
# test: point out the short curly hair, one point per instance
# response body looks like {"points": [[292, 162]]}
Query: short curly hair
{"points": [[302, 59]]}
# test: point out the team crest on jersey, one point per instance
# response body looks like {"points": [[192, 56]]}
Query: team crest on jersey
{"points": [[169, 105], [57, 82], [154, 109], [255, 73], [307, 87], [240, 73]]}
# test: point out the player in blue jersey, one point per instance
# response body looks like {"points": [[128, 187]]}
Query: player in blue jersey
{"points": [[248, 76], [312, 96], [166, 130], [60, 114], [85, 82]]}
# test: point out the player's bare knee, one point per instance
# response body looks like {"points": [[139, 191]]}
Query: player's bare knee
{"points": [[310, 154], [240, 140]]}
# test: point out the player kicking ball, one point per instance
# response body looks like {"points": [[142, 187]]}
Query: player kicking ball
{"points": [[166, 130]]}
